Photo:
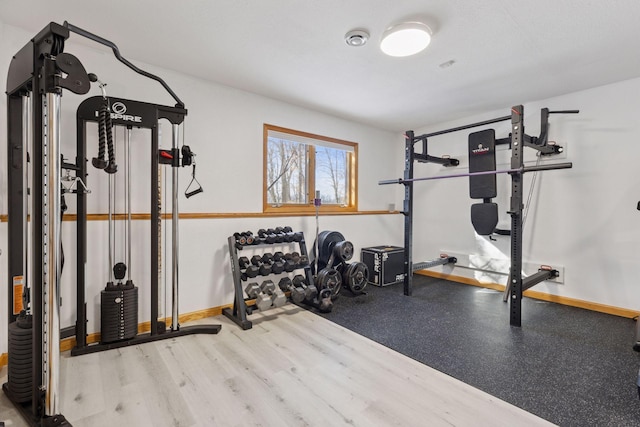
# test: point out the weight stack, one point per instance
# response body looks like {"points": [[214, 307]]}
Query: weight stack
{"points": [[118, 314], [20, 370]]}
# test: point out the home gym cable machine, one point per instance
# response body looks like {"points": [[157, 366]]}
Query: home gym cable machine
{"points": [[484, 215], [38, 75], [145, 116]]}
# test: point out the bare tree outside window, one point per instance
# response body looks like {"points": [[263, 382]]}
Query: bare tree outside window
{"points": [[297, 164], [286, 172], [331, 175]]}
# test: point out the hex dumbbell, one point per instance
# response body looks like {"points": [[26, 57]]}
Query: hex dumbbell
{"points": [[286, 233], [263, 300], [310, 291], [277, 237], [244, 262], [249, 238], [278, 298], [290, 235], [297, 294], [267, 258], [250, 270], [293, 256], [303, 260], [277, 267], [272, 266], [267, 235], [240, 239], [289, 265]]}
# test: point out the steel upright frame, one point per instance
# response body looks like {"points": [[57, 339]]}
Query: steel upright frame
{"points": [[40, 71]]}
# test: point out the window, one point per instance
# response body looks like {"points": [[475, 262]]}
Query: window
{"points": [[297, 164]]}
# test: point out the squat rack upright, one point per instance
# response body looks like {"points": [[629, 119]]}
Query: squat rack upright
{"points": [[517, 140]]}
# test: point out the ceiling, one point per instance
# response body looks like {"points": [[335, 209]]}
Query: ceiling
{"points": [[506, 52]]}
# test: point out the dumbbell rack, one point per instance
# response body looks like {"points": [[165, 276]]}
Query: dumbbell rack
{"points": [[242, 307]]}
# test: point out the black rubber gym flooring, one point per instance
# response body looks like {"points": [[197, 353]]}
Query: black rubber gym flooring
{"points": [[570, 366]]}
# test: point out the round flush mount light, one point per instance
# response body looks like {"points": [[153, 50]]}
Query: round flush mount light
{"points": [[356, 38], [405, 39]]}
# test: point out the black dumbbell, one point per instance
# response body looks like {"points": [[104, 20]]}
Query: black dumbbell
{"points": [[290, 233], [252, 271], [293, 256], [286, 236], [256, 260], [278, 256], [240, 239], [277, 267], [265, 269], [267, 236], [289, 265], [250, 240], [297, 294], [277, 237], [267, 258], [243, 261], [298, 236], [303, 260]]}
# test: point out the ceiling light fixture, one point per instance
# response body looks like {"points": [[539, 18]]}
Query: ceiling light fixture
{"points": [[405, 39], [356, 38]]}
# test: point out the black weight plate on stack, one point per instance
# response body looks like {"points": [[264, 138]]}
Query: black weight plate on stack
{"points": [[20, 358], [326, 241], [119, 320], [344, 251]]}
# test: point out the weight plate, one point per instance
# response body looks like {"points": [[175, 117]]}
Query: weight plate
{"points": [[343, 251], [21, 378], [326, 241], [15, 330], [355, 277], [16, 366], [330, 279]]}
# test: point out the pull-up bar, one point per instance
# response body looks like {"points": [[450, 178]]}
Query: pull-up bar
{"points": [[544, 121], [459, 128], [119, 57], [565, 165]]}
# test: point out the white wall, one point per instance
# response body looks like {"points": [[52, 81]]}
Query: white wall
{"points": [[224, 128], [583, 219]]}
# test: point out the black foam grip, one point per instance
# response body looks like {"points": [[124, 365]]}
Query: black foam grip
{"points": [[112, 167], [194, 192], [102, 123]]}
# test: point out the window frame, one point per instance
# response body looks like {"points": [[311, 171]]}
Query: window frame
{"points": [[352, 179]]}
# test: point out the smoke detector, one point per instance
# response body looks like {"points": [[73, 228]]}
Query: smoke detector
{"points": [[356, 38]]}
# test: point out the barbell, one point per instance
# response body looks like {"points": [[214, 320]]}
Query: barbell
{"points": [[520, 170]]}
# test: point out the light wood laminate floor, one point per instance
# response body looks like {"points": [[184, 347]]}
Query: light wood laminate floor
{"points": [[292, 369]]}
